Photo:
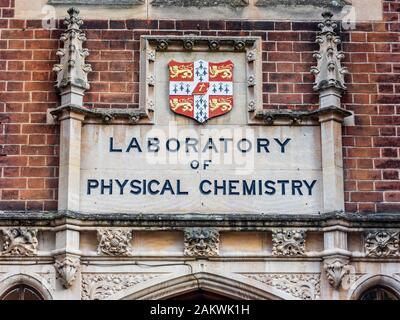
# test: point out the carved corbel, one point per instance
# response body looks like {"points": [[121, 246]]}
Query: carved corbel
{"points": [[336, 269], [67, 266]]}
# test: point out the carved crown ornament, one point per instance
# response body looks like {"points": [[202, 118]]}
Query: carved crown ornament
{"points": [[201, 242], [382, 244], [19, 242], [329, 72], [115, 242], [288, 242]]}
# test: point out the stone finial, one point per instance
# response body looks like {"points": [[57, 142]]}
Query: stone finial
{"points": [[329, 73], [72, 71]]}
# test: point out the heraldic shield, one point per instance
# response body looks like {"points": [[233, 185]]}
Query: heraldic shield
{"points": [[201, 90]]}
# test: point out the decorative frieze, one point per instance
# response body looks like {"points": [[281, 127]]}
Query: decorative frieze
{"points": [[115, 242], [201, 242], [288, 242], [19, 242], [300, 285], [382, 244], [67, 267], [72, 71], [199, 3], [102, 286]]}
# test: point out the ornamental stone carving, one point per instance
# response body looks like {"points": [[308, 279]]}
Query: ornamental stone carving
{"points": [[336, 270], [67, 267], [102, 286], [72, 71], [382, 244], [199, 3], [300, 285], [288, 242], [201, 242], [329, 73], [19, 242], [114, 242], [316, 3]]}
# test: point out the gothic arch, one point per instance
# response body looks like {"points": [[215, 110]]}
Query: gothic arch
{"points": [[368, 282], [232, 286], [29, 279]]}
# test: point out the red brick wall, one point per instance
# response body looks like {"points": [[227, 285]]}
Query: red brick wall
{"points": [[29, 158]]}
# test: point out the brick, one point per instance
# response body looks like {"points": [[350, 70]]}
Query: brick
{"points": [[366, 196]]}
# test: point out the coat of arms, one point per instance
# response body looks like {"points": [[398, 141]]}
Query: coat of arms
{"points": [[201, 90]]}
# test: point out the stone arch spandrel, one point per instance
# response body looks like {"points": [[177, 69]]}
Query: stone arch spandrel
{"points": [[232, 286], [369, 281]]}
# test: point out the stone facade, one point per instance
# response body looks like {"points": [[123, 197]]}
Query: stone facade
{"points": [[69, 248]]}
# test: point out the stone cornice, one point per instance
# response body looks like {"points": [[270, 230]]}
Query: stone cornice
{"points": [[238, 222]]}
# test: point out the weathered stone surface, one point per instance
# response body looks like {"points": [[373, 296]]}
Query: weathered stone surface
{"points": [[97, 2], [199, 3], [317, 3]]}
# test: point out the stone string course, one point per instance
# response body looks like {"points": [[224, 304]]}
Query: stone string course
{"points": [[29, 147]]}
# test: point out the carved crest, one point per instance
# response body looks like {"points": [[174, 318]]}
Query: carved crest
{"points": [[201, 90], [67, 267]]}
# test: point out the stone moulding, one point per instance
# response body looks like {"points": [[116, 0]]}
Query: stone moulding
{"points": [[126, 116], [98, 2], [199, 3], [293, 117], [316, 3]]}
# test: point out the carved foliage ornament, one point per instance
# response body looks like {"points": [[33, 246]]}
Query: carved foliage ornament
{"points": [[19, 242], [302, 286], [382, 244], [288, 242], [199, 3], [102, 286], [201, 242], [72, 69], [114, 242], [66, 269], [329, 72]]}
